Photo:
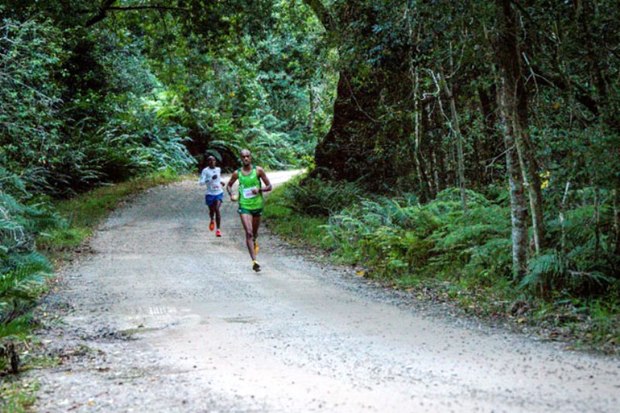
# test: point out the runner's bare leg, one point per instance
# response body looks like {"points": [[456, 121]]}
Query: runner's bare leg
{"points": [[255, 225], [218, 215], [246, 221]]}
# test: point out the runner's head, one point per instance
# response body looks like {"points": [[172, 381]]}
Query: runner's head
{"points": [[246, 157], [211, 161]]}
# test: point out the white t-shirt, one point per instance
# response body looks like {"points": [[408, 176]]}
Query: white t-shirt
{"points": [[211, 177]]}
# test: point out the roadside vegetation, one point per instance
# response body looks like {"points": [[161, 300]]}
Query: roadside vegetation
{"points": [[437, 252]]}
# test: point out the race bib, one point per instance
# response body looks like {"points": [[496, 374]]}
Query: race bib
{"points": [[247, 192], [213, 185]]}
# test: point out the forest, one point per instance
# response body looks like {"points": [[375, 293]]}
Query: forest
{"points": [[466, 148]]}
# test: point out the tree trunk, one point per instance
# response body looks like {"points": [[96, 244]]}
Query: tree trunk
{"points": [[529, 165], [456, 130], [358, 136], [616, 195], [343, 153], [436, 179], [425, 186], [312, 109], [489, 150], [518, 204], [597, 222], [509, 61]]}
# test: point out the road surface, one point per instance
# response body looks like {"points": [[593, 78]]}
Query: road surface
{"points": [[163, 316]]}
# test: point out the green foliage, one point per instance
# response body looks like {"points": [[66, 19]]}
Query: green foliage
{"points": [[30, 54], [398, 237], [142, 144], [298, 229], [581, 259], [396, 240], [319, 198], [260, 87], [71, 119], [23, 271], [17, 396], [83, 107]]}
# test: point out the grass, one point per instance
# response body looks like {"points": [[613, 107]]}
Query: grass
{"points": [[297, 229], [17, 396]]}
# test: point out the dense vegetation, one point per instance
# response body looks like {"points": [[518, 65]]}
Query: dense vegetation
{"points": [[474, 142]]}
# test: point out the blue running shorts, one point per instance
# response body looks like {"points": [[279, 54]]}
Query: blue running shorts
{"points": [[211, 199]]}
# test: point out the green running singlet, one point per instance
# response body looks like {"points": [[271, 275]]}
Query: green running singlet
{"points": [[247, 200]]}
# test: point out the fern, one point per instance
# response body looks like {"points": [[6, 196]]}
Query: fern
{"points": [[454, 195], [315, 197], [18, 327], [554, 271], [491, 259], [543, 271], [22, 270]]}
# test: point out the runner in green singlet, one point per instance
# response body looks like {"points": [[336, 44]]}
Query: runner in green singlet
{"points": [[251, 179]]}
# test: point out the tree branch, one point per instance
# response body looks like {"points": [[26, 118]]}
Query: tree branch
{"points": [[581, 94], [101, 13]]}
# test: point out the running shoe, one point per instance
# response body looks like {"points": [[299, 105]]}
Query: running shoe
{"points": [[255, 266], [256, 248], [211, 225], [218, 233]]}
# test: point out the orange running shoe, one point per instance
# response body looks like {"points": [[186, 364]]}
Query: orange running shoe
{"points": [[211, 225], [218, 233]]}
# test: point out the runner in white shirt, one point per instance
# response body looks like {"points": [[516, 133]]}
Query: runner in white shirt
{"points": [[211, 176]]}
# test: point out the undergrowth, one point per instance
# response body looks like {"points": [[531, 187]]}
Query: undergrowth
{"points": [[298, 229], [17, 396]]}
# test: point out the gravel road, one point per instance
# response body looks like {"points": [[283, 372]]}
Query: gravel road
{"points": [[162, 316]]}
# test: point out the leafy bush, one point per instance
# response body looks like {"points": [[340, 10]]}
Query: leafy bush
{"points": [[476, 241], [397, 237], [320, 198], [79, 111], [30, 55], [397, 240], [141, 145], [22, 269], [580, 258]]}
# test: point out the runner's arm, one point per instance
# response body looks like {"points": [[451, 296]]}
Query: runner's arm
{"points": [[203, 177], [229, 185], [262, 175]]}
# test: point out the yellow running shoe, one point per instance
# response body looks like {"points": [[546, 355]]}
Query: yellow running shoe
{"points": [[256, 248], [255, 266]]}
